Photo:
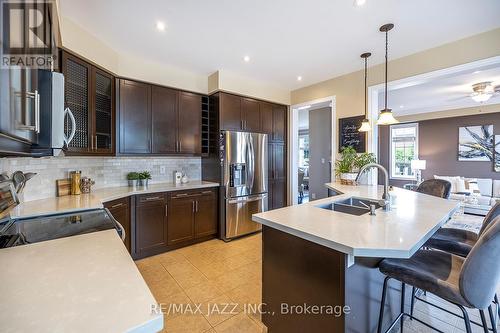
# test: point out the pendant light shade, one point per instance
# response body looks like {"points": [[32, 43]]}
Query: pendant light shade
{"points": [[386, 117], [365, 124]]}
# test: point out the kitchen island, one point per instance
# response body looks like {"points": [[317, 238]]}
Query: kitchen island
{"points": [[320, 266], [84, 283]]}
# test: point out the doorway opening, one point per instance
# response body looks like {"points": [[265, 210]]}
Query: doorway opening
{"points": [[312, 156]]}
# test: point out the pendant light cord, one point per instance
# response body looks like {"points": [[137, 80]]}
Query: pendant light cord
{"points": [[366, 75], [386, 48]]}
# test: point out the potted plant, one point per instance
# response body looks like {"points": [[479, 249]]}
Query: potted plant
{"points": [[144, 178], [347, 167], [132, 178]]}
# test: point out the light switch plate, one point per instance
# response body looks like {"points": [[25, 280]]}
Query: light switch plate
{"points": [[163, 169]]}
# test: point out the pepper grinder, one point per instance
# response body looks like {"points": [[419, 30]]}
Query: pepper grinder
{"points": [[75, 182]]}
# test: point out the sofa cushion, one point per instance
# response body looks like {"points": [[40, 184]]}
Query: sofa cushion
{"points": [[452, 180], [496, 188], [485, 186]]}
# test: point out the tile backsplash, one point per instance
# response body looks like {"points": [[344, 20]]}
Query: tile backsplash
{"points": [[106, 171]]}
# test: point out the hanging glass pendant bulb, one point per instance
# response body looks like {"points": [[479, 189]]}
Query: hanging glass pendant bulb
{"points": [[386, 117], [365, 124]]}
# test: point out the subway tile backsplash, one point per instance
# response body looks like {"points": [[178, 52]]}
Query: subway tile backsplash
{"points": [[106, 171]]}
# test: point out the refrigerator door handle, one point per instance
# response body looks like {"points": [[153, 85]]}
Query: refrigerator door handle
{"points": [[247, 199]]}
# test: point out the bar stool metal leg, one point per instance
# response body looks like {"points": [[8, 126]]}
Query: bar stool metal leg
{"points": [[483, 321], [412, 304], [492, 319], [403, 287], [382, 305], [466, 319]]}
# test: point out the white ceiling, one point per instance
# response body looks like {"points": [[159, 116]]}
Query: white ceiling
{"points": [[316, 39], [451, 91]]}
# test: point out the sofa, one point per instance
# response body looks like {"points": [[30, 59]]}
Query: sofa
{"points": [[485, 190]]}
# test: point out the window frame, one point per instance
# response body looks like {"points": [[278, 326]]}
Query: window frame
{"points": [[392, 152]]}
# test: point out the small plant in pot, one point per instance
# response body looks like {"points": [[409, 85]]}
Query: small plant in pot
{"points": [[144, 178], [348, 166], [132, 178]]}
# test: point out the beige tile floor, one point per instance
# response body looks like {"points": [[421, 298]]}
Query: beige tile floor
{"points": [[222, 278]]}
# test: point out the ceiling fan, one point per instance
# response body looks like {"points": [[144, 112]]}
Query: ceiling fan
{"points": [[483, 91]]}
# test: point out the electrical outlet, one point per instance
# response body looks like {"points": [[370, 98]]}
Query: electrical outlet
{"points": [[163, 169], [313, 196]]}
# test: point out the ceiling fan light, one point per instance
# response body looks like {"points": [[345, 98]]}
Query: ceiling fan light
{"points": [[365, 126], [386, 118], [481, 97]]}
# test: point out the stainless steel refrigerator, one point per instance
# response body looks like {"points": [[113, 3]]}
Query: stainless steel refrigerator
{"points": [[243, 158]]}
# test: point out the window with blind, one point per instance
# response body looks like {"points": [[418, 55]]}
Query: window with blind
{"points": [[404, 149]]}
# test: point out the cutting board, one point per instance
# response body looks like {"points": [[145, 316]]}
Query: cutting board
{"points": [[63, 187]]}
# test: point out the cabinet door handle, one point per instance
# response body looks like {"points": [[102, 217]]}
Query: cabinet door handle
{"points": [[181, 195], [193, 206], [197, 206], [37, 111], [180, 146], [207, 192], [153, 198], [166, 210], [118, 205]]}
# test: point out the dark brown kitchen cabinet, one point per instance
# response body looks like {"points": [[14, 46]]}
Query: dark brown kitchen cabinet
{"points": [[120, 209], [239, 113], [277, 175], [279, 123], [164, 117], [266, 118], [151, 224], [181, 218], [206, 214], [89, 93], [158, 120], [230, 112], [135, 117], [192, 215], [250, 115], [189, 123]]}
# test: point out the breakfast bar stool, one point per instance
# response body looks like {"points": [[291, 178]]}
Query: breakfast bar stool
{"points": [[466, 282], [460, 241], [436, 187]]}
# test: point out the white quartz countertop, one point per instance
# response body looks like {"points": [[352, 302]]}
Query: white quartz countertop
{"points": [[69, 285], [398, 233], [95, 199]]}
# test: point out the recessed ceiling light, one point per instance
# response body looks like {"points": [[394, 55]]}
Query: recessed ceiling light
{"points": [[359, 3], [401, 106], [477, 72], [246, 58], [160, 26], [299, 78]]}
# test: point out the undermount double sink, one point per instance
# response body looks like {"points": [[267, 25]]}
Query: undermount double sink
{"points": [[352, 205]]}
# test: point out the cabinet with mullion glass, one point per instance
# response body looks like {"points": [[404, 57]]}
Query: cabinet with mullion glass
{"points": [[89, 93]]}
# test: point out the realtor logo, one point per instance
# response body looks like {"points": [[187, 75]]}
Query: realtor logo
{"points": [[27, 34]]}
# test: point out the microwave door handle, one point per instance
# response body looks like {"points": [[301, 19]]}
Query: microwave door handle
{"points": [[68, 139]]}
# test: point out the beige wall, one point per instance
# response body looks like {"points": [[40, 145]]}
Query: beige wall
{"points": [[224, 80], [348, 88]]}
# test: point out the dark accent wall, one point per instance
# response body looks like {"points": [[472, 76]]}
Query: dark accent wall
{"points": [[438, 145]]}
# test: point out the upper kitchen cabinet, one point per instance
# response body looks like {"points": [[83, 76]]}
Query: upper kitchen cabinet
{"points": [[230, 112], [279, 123], [266, 118], [158, 120], [239, 113], [135, 117], [189, 123], [164, 116], [89, 93]]}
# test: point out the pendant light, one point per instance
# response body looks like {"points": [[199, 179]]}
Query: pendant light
{"points": [[365, 124], [385, 117]]}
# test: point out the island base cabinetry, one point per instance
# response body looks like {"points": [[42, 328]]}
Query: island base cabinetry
{"points": [[307, 287], [166, 221]]}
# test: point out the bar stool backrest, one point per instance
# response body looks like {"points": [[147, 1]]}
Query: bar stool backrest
{"points": [[492, 214], [480, 274], [436, 187]]}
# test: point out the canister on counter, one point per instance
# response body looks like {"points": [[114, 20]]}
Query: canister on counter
{"points": [[75, 182]]}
